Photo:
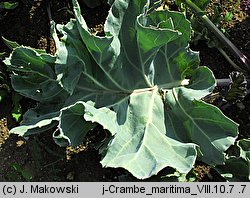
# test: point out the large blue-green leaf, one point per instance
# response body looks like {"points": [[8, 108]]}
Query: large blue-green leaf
{"points": [[238, 156], [191, 120], [140, 81], [34, 75], [140, 144], [71, 117]]}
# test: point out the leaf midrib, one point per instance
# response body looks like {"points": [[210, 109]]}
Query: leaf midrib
{"points": [[192, 120]]}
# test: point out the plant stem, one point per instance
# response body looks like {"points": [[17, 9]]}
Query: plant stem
{"points": [[49, 12], [224, 82], [233, 49], [229, 59]]}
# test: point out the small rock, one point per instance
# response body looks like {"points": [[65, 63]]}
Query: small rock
{"points": [[19, 143], [241, 106], [70, 176]]}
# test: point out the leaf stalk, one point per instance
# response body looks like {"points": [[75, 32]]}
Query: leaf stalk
{"points": [[224, 40]]}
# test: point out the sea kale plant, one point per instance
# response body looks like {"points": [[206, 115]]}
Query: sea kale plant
{"points": [[140, 81]]}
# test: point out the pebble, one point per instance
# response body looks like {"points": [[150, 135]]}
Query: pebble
{"points": [[241, 106]]}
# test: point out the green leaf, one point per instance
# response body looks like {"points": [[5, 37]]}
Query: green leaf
{"points": [[8, 5], [10, 44], [2, 55], [190, 120], [73, 126], [36, 78], [134, 145], [201, 3], [178, 177], [38, 119], [17, 113], [238, 87], [141, 144], [17, 109], [26, 174], [238, 156], [140, 81], [229, 16]]}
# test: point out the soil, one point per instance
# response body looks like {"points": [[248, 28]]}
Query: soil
{"points": [[39, 158]]}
